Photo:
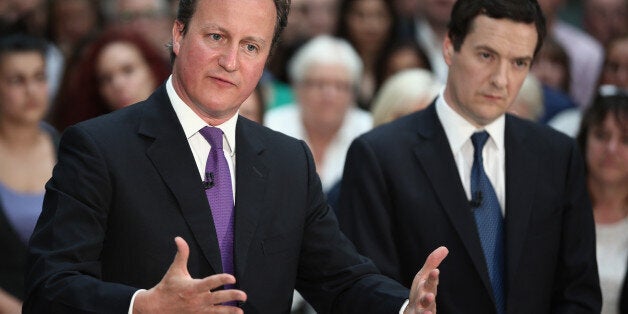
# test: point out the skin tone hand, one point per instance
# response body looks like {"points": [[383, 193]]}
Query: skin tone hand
{"points": [[178, 292], [425, 283]]}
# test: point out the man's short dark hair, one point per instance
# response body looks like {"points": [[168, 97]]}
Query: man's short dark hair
{"points": [[524, 11], [19, 42], [188, 7]]}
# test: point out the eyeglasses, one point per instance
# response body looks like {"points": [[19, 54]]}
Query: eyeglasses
{"points": [[319, 85], [612, 90]]}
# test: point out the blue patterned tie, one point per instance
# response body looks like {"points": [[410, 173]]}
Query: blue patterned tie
{"points": [[489, 221], [219, 195]]}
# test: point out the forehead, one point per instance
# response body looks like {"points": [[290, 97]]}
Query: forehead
{"points": [[11, 61], [505, 36]]}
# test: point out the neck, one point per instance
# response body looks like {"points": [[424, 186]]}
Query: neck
{"points": [[16, 136], [610, 202]]}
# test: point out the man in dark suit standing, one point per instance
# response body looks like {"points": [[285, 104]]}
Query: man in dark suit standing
{"points": [[243, 203], [506, 196]]}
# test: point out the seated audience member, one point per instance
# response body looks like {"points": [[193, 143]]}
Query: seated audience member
{"points": [[27, 156], [605, 19], [603, 139], [324, 73], [254, 106], [586, 55], [399, 56], [370, 27], [403, 93], [529, 101], [551, 67], [615, 70], [117, 69]]}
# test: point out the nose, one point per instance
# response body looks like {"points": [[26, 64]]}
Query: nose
{"points": [[229, 59], [499, 77]]}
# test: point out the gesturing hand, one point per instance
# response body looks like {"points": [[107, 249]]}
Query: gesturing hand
{"points": [[425, 283], [178, 292]]}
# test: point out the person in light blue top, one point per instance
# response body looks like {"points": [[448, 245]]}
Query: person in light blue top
{"points": [[27, 156]]}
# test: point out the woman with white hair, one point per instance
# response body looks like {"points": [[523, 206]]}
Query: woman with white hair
{"points": [[404, 92], [324, 73]]}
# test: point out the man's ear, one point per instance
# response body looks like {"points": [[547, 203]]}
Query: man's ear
{"points": [[177, 36], [448, 50]]}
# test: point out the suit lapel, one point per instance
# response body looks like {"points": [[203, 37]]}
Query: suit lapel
{"points": [[251, 184], [171, 156], [521, 173], [436, 158]]}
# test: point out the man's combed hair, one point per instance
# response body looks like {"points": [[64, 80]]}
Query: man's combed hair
{"points": [[22, 43], [524, 11]]}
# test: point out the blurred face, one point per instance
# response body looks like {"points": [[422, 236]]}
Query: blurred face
{"points": [[23, 87], [321, 16], [252, 108], [147, 17], [74, 20], [606, 19], [607, 152], [221, 57], [124, 76], [403, 59], [552, 74], [616, 69], [436, 12], [488, 71], [325, 95], [369, 23]]}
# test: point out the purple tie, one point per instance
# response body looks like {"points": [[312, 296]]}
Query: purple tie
{"points": [[220, 196]]}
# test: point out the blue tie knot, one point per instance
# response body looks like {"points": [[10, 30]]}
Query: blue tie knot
{"points": [[213, 136], [479, 139]]}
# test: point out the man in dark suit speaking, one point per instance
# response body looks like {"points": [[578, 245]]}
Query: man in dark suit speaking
{"points": [[506, 196], [242, 203]]}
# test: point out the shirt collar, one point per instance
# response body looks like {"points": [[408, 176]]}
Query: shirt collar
{"points": [[459, 130], [192, 123]]}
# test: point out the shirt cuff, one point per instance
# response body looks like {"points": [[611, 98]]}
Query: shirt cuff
{"points": [[138, 291]]}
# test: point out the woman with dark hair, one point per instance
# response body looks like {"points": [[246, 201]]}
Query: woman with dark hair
{"points": [[603, 139], [116, 69], [27, 156], [398, 56], [370, 26]]}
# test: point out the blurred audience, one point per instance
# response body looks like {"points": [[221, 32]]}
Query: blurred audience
{"points": [[27, 156], [370, 26], [529, 102], [615, 70], [117, 69], [254, 106], [603, 139], [151, 18], [551, 66], [605, 19], [400, 55], [430, 30], [586, 55], [405, 92], [324, 73], [72, 22]]}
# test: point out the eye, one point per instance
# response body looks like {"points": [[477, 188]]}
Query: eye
{"points": [[520, 63], [485, 55], [251, 48], [215, 37]]}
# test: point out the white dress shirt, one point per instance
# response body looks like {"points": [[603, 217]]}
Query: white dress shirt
{"points": [[459, 131], [192, 124]]}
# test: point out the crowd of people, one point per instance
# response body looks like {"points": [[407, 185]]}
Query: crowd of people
{"points": [[385, 100]]}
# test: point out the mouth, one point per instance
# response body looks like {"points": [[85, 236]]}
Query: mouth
{"points": [[222, 81]]}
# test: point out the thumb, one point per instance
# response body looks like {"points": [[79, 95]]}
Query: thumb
{"points": [[180, 263]]}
